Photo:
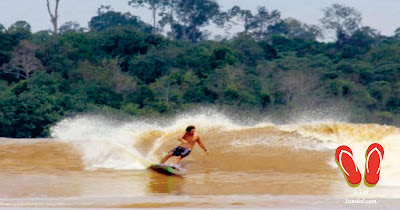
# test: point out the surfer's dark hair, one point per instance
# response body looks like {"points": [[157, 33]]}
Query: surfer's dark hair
{"points": [[190, 128]]}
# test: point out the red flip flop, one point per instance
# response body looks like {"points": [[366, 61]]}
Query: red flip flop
{"points": [[344, 159], [373, 161]]}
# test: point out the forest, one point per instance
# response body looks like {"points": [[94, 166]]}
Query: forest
{"points": [[120, 65]]}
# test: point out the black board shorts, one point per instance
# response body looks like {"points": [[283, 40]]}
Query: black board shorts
{"points": [[180, 151]]}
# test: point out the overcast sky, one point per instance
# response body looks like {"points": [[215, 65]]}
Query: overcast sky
{"points": [[383, 15]]}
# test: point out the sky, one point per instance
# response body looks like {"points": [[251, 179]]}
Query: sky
{"points": [[383, 15]]}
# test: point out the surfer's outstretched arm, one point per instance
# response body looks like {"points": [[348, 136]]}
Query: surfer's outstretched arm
{"points": [[202, 145]]}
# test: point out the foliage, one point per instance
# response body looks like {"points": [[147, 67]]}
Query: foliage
{"points": [[342, 19], [107, 18], [274, 66]]}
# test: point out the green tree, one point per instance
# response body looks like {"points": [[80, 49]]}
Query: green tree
{"points": [[2, 28], [226, 85], [187, 17], [262, 22], [193, 88], [58, 54], [294, 29], [397, 33], [150, 67], [154, 5], [381, 91], [258, 25], [41, 37], [20, 26], [106, 18], [244, 16], [19, 30], [167, 91], [29, 108], [343, 20], [251, 51], [104, 84], [360, 42], [123, 41], [71, 26]]}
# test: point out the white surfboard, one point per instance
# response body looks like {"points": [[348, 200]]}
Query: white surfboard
{"points": [[168, 169]]}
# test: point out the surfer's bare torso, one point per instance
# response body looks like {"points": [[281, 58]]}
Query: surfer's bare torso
{"points": [[188, 140]]}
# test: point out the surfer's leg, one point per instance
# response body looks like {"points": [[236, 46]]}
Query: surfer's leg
{"points": [[178, 160], [169, 155], [185, 153]]}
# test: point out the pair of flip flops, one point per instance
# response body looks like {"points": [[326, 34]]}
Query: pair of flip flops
{"points": [[373, 161]]}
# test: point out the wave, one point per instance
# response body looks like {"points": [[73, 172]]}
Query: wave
{"points": [[95, 142]]}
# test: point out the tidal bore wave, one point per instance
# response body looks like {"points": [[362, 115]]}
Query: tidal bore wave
{"points": [[97, 143]]}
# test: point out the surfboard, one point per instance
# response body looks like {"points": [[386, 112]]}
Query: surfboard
{"points": [[168, 169]]}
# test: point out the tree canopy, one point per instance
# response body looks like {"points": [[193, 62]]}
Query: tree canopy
{"points": [[271, 66]]}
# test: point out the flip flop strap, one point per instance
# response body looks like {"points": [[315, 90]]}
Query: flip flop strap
{"points": [[340, 161], [380, 158]]}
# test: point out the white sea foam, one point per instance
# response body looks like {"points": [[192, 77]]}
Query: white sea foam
{"points": [[106, 143]]}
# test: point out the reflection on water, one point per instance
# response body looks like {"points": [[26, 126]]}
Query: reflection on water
{"points": [[167, 184], [73, 184]]}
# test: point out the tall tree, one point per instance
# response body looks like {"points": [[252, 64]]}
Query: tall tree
{"points": [[186, 17], [53, 17], [2, 28], [154, 5], [258, 25], [244, 16], [20, 26], [70, 26], [343, 20], [168, 14], [106, 17], [397, 32], [18, 31], [262, 21], [293, 28]]}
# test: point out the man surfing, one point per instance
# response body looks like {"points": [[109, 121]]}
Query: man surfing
{"points": [[188, 139]]}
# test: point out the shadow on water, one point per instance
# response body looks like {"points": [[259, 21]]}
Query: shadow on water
{"points": [[165, 184]]}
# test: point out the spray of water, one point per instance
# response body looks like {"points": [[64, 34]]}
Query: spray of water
{"points": [[107, 143]]}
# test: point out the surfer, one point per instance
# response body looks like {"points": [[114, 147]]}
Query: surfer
{"points": [[188, 139]]}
